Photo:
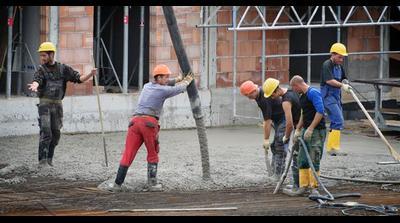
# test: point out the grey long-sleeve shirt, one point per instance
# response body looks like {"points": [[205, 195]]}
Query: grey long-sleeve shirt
{"points": [[153, 95]]}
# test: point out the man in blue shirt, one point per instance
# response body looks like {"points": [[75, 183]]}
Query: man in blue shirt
{"points": [[312, 123]]}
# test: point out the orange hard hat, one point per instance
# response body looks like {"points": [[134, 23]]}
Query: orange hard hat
{"points": [[247, 88], [161, 69]]}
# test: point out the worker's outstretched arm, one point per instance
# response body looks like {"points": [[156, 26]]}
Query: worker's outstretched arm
{"points": [[267, 132]]}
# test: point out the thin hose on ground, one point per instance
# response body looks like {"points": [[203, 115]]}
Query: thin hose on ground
{"points": [[330, 196], [360, 180]]}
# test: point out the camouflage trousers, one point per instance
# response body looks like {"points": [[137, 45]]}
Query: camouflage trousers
{"points": [[315, 147], [50, 123], [278, 149]]}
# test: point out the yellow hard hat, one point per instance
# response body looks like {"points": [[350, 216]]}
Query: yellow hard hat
{"points": [[339, 49], [269, 86], [47, 46]]}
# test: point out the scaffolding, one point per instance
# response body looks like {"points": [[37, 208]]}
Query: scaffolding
{"points": [[308, 21]]}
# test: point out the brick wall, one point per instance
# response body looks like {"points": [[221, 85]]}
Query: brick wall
{"points": [[161, 48], [249, 50], [75, 44], [363, 38]]}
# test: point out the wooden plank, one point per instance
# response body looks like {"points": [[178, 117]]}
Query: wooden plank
{"points": [[173, 209], [393, 123]]}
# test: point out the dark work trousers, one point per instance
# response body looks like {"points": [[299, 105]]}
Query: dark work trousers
{"points": [[50, 123]]}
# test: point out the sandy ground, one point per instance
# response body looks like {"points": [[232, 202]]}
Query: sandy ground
{"points": [[236, 159]]}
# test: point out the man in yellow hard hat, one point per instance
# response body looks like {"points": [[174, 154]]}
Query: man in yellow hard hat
{"points": [[292, 109], [50, 82], [332, 75], [144, 126], [273, 115]]}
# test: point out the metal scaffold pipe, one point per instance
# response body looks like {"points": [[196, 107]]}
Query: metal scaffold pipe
{"points": [[193, 94]]}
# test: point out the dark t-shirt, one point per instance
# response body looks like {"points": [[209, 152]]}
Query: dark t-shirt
{"points": [[328, 70], [270, 108], [294, 99], [47, 73]]}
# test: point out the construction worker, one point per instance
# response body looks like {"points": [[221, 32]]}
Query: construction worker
{"points": [[50, 82], [273, 114], [292, 109], [312, 128], [332, 75], [144, 126]]}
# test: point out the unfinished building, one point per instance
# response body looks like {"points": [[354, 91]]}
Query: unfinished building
{"points": [[226, 46]]}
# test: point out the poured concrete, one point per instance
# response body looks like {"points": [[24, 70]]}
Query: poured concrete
{"points": [[236, 159]]}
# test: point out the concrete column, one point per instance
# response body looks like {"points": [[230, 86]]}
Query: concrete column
{"points": [[9, 51], [125, 60], [53, 32]]}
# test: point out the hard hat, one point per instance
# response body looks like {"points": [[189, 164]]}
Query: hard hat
{"points": [[47, 46], [269, 86], [247, 88], [339, 49], [161, 69]]}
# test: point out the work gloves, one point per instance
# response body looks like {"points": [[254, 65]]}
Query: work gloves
{"points": [[179, 78], [187, 79], [285, 140], [266, 144], [346, 88], [308, 133], [296, 136]]}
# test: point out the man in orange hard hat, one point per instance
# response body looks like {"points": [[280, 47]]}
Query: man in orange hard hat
{"points": [[144, 126], [273, 115], [50, 83]]}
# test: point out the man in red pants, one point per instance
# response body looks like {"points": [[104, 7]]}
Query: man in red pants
{"points": [[144, 127]]}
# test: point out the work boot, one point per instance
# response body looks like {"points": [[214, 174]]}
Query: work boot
{"points": [[113, 187], [336, 153], [315, 192], [152, 184], [50, 161], [42, 164], [295, 191]]}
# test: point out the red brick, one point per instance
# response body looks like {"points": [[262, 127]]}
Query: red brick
{"points": [[271, 47], [285, 63], [66, 55], [242, 35], [283, 46], [244, 48], [256, 47], [196, 66], [196, 33], [67, 24], [356, 32], [355, 44], [274, 63], [224, 48], [255, 35], [84, 24], [62, 41], [89, 10], [172, 53], [224, 17], [76, 11], [246, 64], [88, 40], [82, 55], [193, 51], [242, 77], [224, 80], [370, 31], [74, 40], [224, 65], [63, 11], [373, 44]]}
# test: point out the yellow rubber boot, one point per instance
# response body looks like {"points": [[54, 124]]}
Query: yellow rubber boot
{"points": [[333, 143], [313, 180], [304, 177]]}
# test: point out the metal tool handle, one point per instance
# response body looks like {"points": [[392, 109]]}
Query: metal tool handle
{"points": [[393, 152]]}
